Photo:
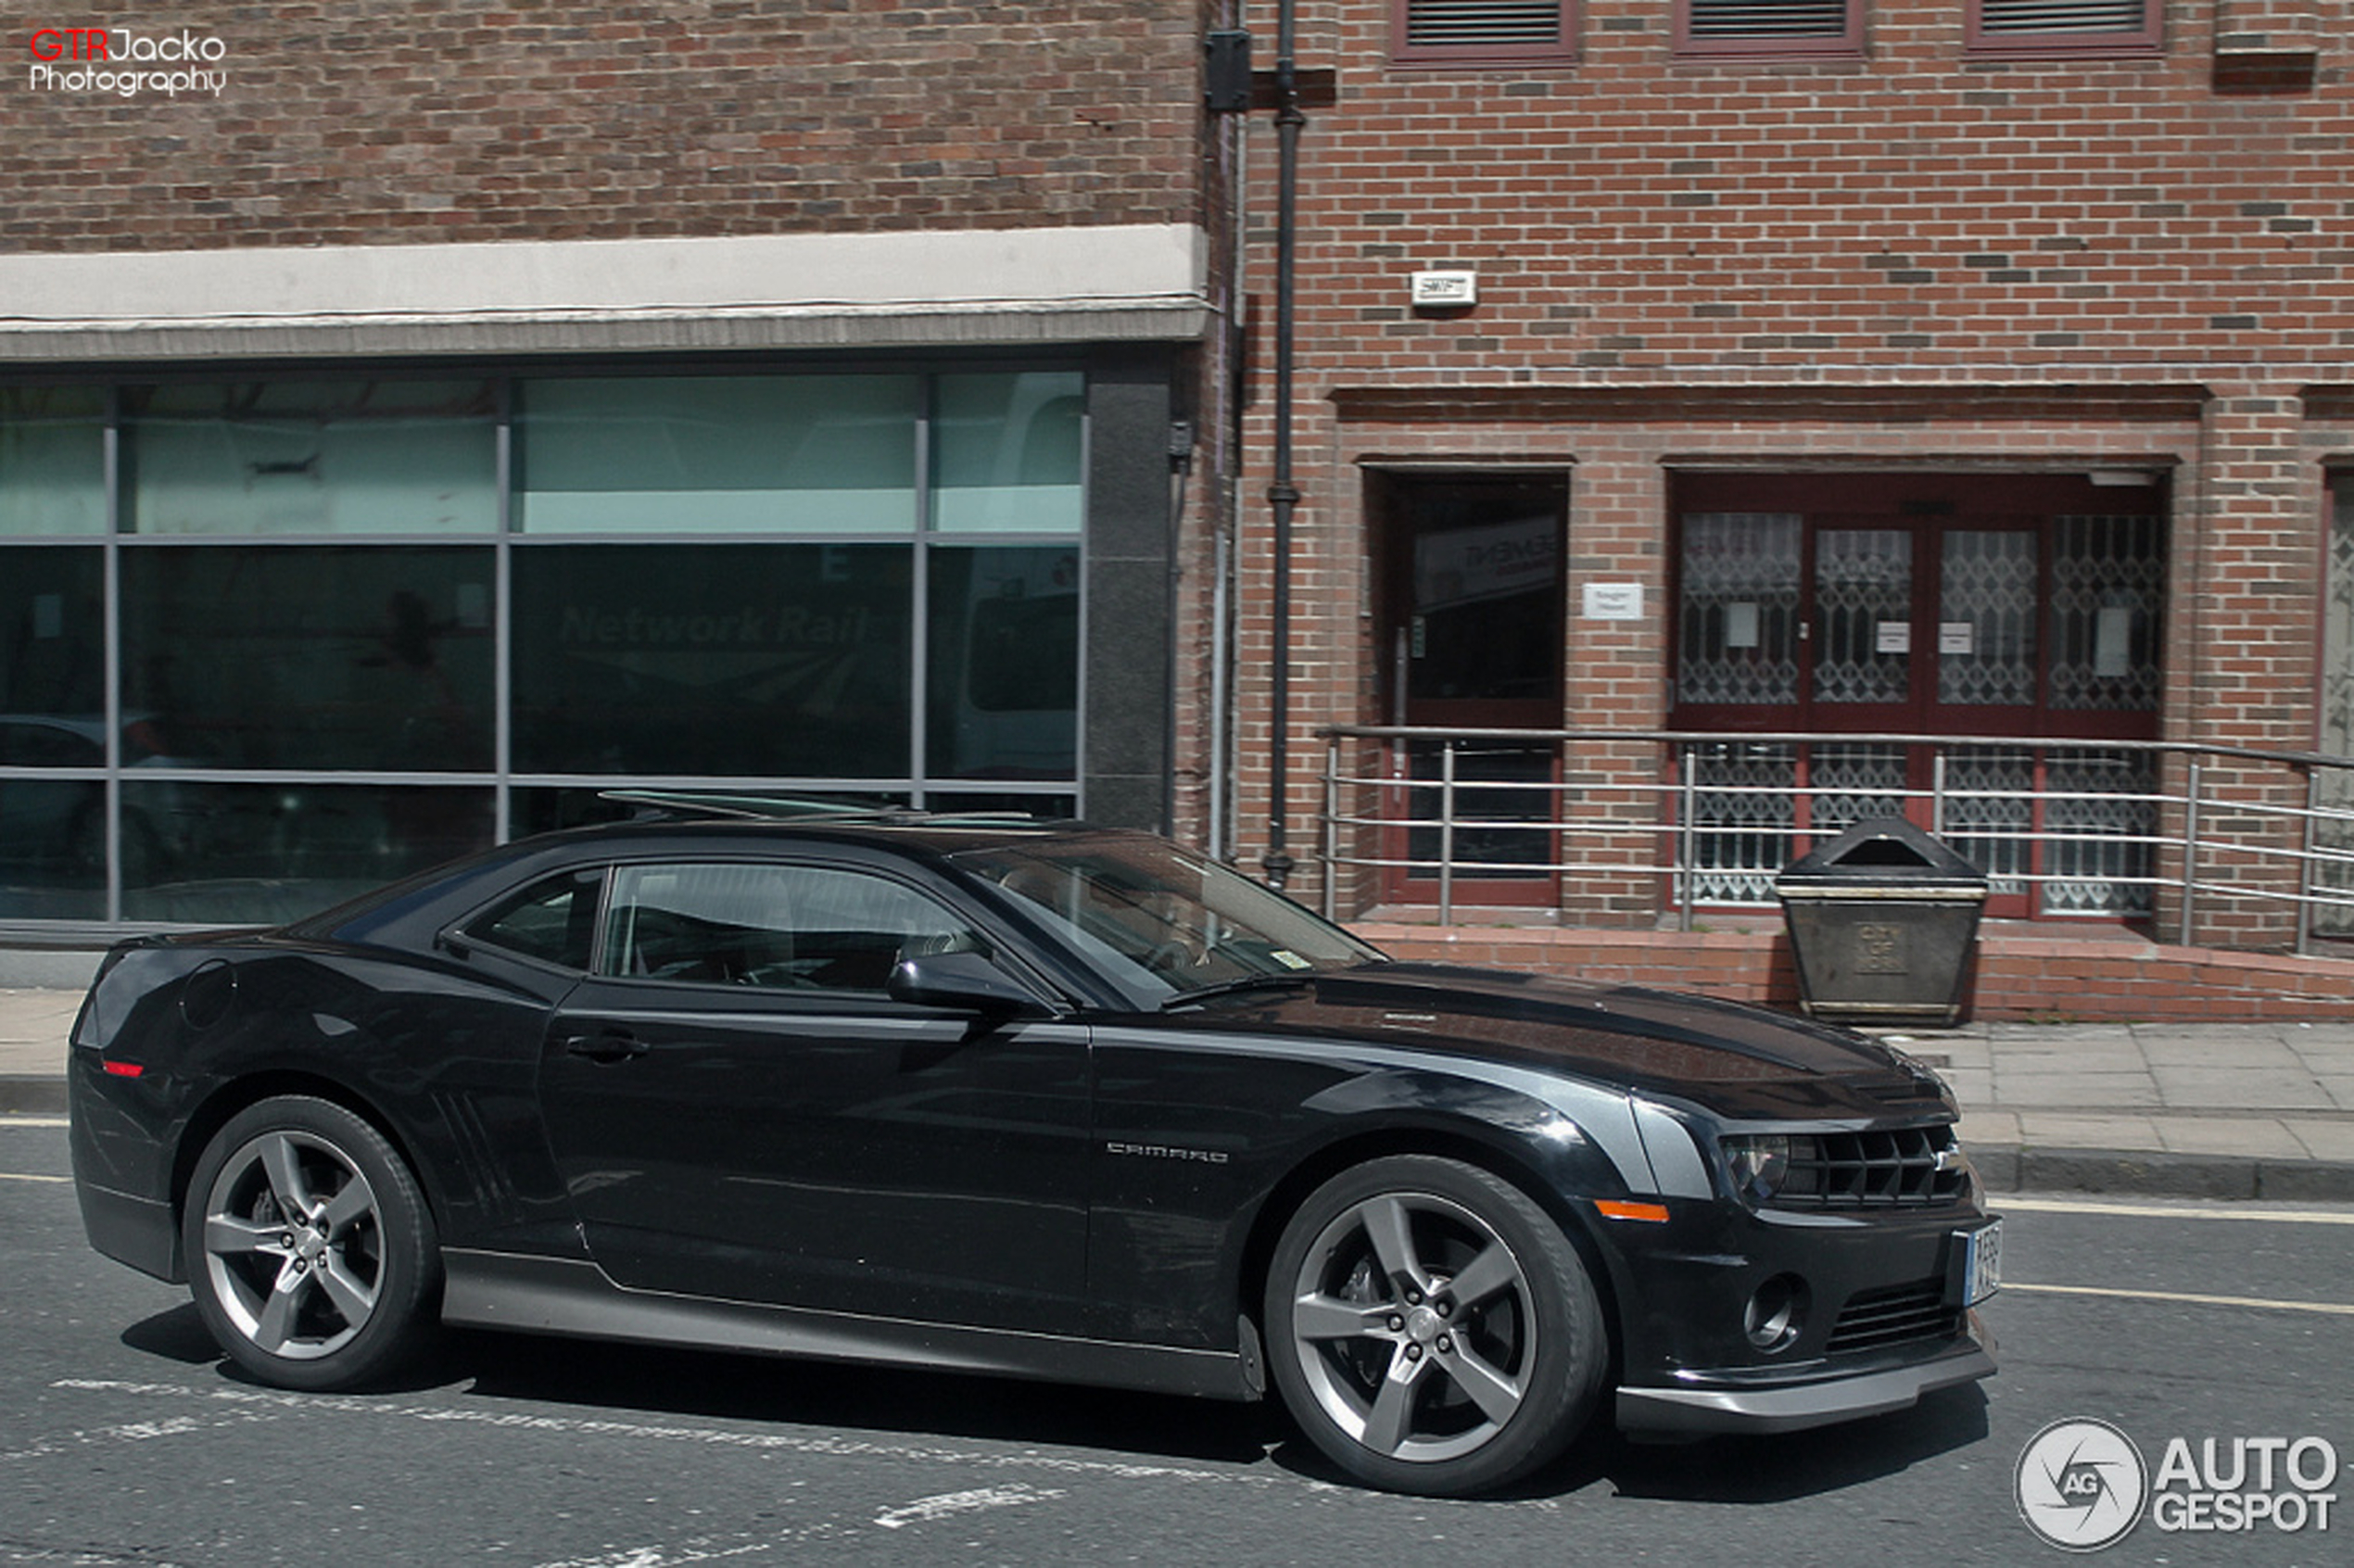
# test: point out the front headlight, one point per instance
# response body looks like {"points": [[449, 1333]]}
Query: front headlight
{"points": [[1760, 1163]]}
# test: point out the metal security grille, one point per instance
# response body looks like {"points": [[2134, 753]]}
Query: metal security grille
{"points": [[2334, 794], [1483, 24], [2062, 16], [1767, 19], [1740, 607]]}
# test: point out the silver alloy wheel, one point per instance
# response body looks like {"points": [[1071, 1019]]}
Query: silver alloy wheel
{"points": [[293, 1244], [1413, 1325]]}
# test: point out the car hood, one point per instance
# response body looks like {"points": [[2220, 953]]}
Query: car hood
{"points": [[1734, 1059]]}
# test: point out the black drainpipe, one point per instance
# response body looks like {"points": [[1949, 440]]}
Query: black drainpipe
{"points": [[1282, 494]]}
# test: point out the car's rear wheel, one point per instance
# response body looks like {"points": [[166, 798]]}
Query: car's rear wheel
{"points": [[1430, 1327], [311, 1254]]}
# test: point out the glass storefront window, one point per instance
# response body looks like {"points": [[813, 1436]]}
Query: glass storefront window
{"points": [[1009, 453], [53, 460], [305, 456], [53, 628], [372, 658], [811, 454], [729, 660], [1003, 687], [337, 644], [264, 853], [53, 705]]}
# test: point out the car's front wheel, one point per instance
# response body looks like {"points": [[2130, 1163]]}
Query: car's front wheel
{"points": [[311, 1254], [1431, 1329]]}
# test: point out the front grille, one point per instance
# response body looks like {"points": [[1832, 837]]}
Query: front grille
{"points": [[1909, 1167], [1894, 1315]]}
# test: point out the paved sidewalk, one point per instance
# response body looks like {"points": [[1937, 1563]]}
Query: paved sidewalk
{"points": [[2224, 1110]]}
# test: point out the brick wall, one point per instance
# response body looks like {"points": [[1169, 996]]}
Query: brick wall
{"points": [[1912, 211], [2016, 975], [348, 121]]}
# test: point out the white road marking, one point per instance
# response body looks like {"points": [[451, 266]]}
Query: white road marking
{"points": [[2333, 1309], [20, 1176], [2171, 1211], [700, 1549], [924, 1509], [775, 1441], [33, 1121], [133, 1431]]}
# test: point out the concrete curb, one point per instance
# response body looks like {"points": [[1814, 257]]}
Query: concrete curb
{"points": [[2013, 1168]]}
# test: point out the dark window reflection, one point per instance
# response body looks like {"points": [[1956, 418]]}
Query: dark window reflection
{"points": [[53, 848], [263, 853], [52, 635], [713, 659], [52, 831], [1004, 687], [375, 658]]}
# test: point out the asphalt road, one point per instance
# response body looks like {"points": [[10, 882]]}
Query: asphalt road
{"points": [[123, 1439]]}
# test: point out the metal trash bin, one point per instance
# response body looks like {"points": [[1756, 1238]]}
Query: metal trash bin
{"points": [[1882, 920]]}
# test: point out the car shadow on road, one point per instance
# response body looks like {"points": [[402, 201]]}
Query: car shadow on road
{"points": [[1789, 1465], [1140, 1427], [1727, 1469], [176, 1336], [714, 1385]]}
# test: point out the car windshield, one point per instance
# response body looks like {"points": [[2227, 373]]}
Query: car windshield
{"points": [[1162, 923]]}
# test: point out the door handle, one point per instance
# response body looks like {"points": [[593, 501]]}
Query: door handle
{"points": [[613, 1045]]}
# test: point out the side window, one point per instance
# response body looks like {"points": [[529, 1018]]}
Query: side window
{"points": [[791, 926], [554, 920]]}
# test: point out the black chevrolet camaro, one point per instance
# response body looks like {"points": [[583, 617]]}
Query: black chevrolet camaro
{"points": [[1029, 1099]]}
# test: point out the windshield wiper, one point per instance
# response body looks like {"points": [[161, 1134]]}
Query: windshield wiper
{"points": [[1285, 980]]}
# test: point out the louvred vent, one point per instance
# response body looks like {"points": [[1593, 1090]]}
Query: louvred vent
{"points": [[1769, 18], [1482, 24], [2061, 16]]}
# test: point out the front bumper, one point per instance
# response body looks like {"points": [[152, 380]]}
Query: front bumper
{"points": [[1794, 1399]]}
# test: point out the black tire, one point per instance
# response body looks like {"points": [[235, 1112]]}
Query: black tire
{"points": [[311, 1255], [1431, 1329]]}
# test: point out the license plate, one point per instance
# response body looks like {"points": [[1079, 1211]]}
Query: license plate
{"points": [[1982, 1269]]}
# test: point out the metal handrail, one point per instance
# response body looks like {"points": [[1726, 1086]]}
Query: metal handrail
{"points": [[2207, 858]]}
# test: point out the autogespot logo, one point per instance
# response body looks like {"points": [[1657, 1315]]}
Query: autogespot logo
{"points": [[2080, 1485]]}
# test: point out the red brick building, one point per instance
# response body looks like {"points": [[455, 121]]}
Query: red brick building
{"points": [[1859, 369]]}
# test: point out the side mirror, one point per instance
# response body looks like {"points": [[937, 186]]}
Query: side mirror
{"points": [[966, 982]]}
